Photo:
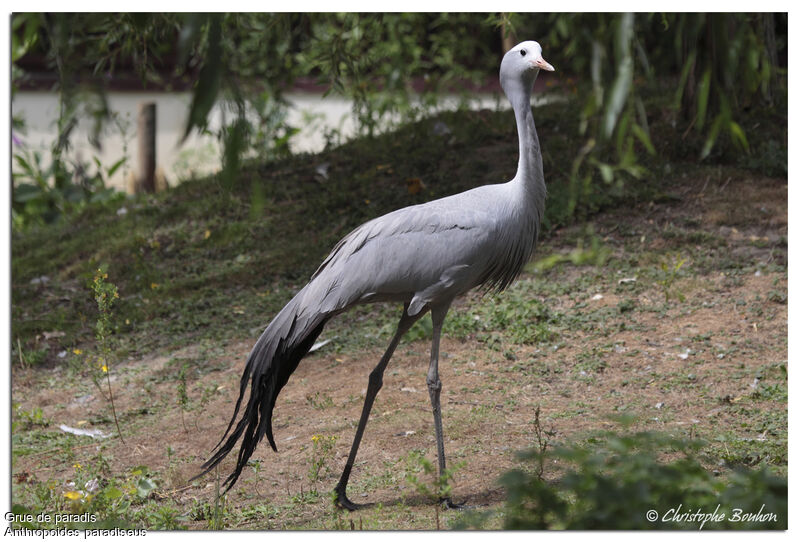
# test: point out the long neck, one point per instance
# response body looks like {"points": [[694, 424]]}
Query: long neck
{"points": [[529, 169]]}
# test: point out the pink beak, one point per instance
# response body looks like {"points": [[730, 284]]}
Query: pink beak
{"points": [[541, 63]]}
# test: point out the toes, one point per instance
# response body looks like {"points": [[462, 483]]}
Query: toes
{"points": [[343, 502], [448, 504]]}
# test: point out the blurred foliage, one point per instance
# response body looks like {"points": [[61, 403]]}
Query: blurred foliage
{"points": [[45, 192], [395, 66], [617, 481]]}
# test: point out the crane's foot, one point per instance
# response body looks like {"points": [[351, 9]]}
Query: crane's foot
{"points": [[448, 504], [343, 502]]}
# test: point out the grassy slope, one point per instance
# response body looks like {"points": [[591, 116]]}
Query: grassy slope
{"points": [[199, 261]]}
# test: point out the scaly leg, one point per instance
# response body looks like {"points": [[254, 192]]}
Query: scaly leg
{"points": [[375, 384], [434, 390]]}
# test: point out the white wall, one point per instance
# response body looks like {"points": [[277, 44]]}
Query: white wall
{"points": [[199, 154]]}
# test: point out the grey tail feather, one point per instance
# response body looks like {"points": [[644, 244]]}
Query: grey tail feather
{"points": [[272, 361]]}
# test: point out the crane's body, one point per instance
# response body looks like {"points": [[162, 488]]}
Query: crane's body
{"points": [[429, 252], [423, 256]]}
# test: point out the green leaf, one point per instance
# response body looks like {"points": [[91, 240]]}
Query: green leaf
{"points": [[737, 135], [702, 98], [113, 492], [189, 35], [26, 192], [687, 67], [607, 172], [209, 80], [624, 79], [711, 139], [25, 165], [643, 138], [31, 22], [115, 166], [618, 95], [145, 487]]}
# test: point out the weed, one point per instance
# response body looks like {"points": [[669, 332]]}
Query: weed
{"points": [[91, 491], [105, 293], [777, 296], [626, 305], [255, 464], [32, 358], [737, 451], [183, 398], [160, 516], [28, 419], [595, 255], [440, 487], [215, 520], [257, 512], [542, 442], [668, 275], [322, 448], [319, 401]]}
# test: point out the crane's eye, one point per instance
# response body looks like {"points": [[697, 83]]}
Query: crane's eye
{"points": [[523, 52]]}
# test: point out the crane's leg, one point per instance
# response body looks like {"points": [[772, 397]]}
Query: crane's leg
{"points": [[435, 390], [375, 384]]}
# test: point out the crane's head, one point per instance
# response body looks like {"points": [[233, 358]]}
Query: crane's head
{"points": [[521, 65]]}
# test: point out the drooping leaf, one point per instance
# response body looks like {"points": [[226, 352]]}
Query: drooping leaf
{"points": [[643, 138], [687, 66], [713, 133], [702, 98], [209, 79], [623, 81], [738, 136], [115, 166], [25, 192]]}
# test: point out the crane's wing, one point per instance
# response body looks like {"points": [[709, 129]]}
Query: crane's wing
{"points": [[426, 252]]}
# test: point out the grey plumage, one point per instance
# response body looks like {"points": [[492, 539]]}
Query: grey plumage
{"points": [[423, 256]]}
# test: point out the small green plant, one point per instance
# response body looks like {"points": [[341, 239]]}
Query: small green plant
{"points": [[319, 401], [160, 517], [215, 520], [777, 296], [596, 254], [27, 419], [30, 358], [208, 392], [121, 501], [624, 481], [105, 293], [668, 276], [255, 464], [439, 488], [321, 453], [43, 194], [542, 442], [183, 398]]}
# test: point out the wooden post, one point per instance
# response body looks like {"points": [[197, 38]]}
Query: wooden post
{"points": [[146, 181]]}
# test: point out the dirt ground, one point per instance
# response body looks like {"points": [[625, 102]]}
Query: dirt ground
{"points": [[680, 367]]}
